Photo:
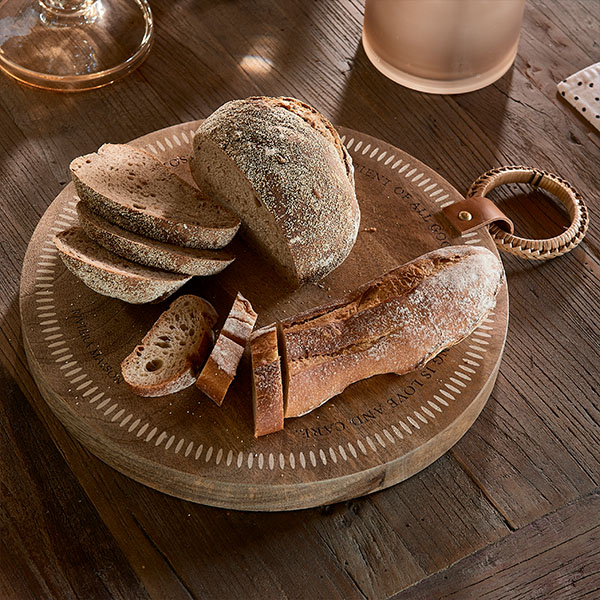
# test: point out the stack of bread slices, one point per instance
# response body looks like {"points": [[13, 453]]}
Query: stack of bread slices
{"points": [[275, 166], [143, 231]]}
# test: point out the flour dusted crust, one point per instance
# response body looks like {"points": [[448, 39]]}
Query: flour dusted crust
{"points": [[221, 366], [149, 252], [281, 166], [113, 276], [393, 324], [134, 190]]}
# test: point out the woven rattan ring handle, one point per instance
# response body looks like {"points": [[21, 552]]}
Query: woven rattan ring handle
{"points": [[563, 190]]}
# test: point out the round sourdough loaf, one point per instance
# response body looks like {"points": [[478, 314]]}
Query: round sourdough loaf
{"points": [[281, 166]]}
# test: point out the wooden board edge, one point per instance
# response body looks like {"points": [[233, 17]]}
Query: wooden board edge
{"points": [[268, 498]]}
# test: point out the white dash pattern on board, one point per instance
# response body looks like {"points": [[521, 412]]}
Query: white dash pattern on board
{"points": [[322, 456]]}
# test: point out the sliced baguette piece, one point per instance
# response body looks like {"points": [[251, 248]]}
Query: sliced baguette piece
{"points": [[240, 321], [109, 274], [393, 324], [134, 190], [170, 355], [221, 366], [152, 253], [267, 386]]}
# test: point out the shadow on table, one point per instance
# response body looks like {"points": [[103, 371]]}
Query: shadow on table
{"points": [[455, 135]]}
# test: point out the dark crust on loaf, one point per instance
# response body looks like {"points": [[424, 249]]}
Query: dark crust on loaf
{"points": [[395, 323], [240, 321], [298, 169], [111, 275], [148, 252], [220, 369]]}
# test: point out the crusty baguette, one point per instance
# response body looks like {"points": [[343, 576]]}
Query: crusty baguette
{"points": [[221, 366], [171, 353], [281, 166], [134, 190], [148, 252], [393, 324], [109, 274], [267, 390], [220, 369]]}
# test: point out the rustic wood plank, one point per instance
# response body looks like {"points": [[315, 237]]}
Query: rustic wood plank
{"points": [[544, 400], [116, 503], [555, 557], [421, 525], [54, 544], [344, 551], [341, 551], [180, 550]]}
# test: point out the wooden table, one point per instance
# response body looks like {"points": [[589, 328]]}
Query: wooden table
{"points": [[513, 510]]}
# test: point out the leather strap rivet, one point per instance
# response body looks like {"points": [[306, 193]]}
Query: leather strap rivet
{"points": [[465, 215]]}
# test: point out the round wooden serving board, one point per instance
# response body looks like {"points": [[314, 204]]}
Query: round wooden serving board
{"points": [[378, 432]]}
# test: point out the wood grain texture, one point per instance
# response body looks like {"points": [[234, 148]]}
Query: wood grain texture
{"points": [[54, 545], [545, 401], [555, 557]]}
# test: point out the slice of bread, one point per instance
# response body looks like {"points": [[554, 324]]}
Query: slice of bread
{"points": [[109, 274], [282, 167], [221, 366], [220, 369], [267, 387], [134, 190], [393, 324], [170, 355], [152, 253]]}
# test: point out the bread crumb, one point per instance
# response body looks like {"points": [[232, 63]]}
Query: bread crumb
{"points": [[370, 229]]}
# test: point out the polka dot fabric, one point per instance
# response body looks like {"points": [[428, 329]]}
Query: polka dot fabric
{"points": [[582, 91]]}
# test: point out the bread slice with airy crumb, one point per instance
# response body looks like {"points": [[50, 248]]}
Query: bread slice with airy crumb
{"points": [[152, 253], [221, 366], [267, 385], [134, 190], [109, 274], [171, 353]]}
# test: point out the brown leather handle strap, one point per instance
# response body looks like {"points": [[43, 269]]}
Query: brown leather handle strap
{"points": [[563, 190]]}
